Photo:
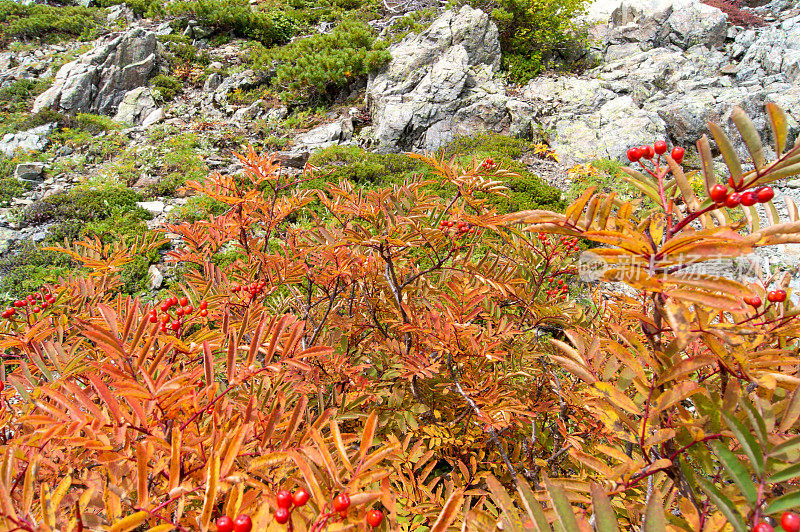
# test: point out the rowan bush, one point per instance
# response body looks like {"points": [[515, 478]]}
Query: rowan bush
{"points": [[406, 358]]}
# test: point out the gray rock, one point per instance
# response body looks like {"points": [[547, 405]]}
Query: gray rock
{"points": [[26, 141], [212, 82], [326, 134], [33, 172], [156, 277], [295, 158], [153, 207], [135, 106], [155, 116], [277, 113], [250, 112], [439, 83], [99, 80]]}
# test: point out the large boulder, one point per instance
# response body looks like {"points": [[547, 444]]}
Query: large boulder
{"points": [[98, 80], [440, 83], [646, 24]]}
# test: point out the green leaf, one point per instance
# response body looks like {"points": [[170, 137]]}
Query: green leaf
{"points": [[562, 507], [532, 507], [604, 515], [785, 447], [654, 514], [724, 504], [784, 502], [736, 470], [785, 474], [749, 444], [750, 136], [728, 153], [756, 420]]}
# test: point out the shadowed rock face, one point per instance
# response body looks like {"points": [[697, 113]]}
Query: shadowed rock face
{"points": [[98, 80]]}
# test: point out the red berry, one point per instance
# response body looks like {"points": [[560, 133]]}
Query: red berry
{"points": [[36, 310], [2, 386], [634, 154], [153, 319], [341, 503], [18, 303], [183, 301], [718, 193], [203, 305], [647, 152], [188, 309], [776, 296], [165, 318], [733, 200], [300, 497], [173, 301], [242, 524], [235, 288], [753, 301], [284, 499], [374, 518], [763, 527], [282, 516], [660, 147], [677, 154], [175, 325], [790, 522], [749, 198], [203, 313], [179, 312], [224, 524], [343, 514], [765, 194]]}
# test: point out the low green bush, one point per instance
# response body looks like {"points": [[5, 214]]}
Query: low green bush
{"points": [[166, 87], [41, 22], [26, 267], [314, 68], [10, 188], [237, 17], [109, 212], [19, 95], [537, 34], [525, 191]]}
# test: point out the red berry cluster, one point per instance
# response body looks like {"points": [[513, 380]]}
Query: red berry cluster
{"points": [[183, 309], [242, 523], [37, 302], [773, 296], [488, 163], [461, 228], [254, 288], [658, 148], [790, 522], [285, 501], [719, 194]]}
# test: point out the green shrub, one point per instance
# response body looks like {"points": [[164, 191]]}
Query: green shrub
{"points": [[536, 34], [10, 188], [313, 68], [41, 22], [526, 191], [109, 212], [166, 87], [19, 95], [199, 207], [238, 18], [26, 267], [141, 8]]}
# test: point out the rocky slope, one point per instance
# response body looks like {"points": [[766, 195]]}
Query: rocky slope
{"points": [[664, 68]]}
